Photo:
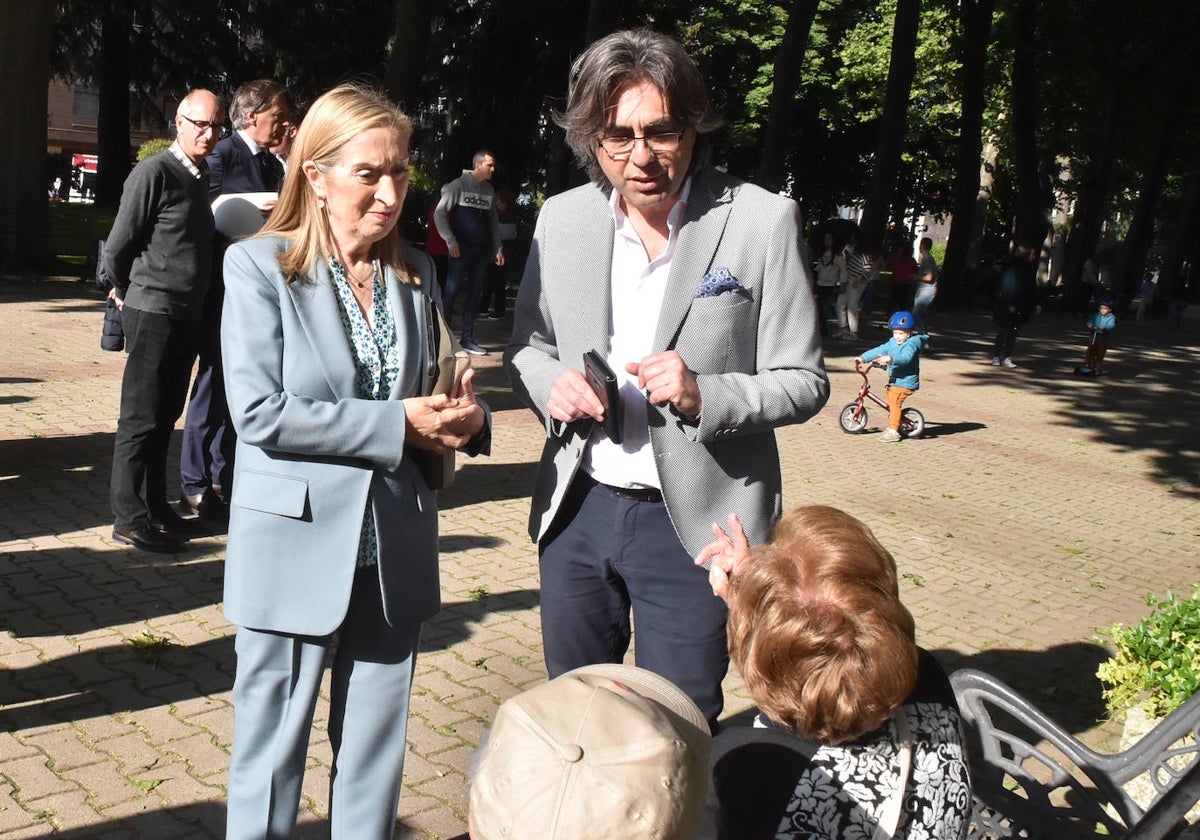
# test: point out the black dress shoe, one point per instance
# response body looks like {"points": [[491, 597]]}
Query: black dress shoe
{"points": [[188, 504], [170, 522], [148, 538], [213, 506]]}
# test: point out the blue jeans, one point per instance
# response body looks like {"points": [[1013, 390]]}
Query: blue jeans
{"points": [[466, 274], [923, 295]]}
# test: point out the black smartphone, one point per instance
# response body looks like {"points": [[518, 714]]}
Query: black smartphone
{"points": [[604, 382]]}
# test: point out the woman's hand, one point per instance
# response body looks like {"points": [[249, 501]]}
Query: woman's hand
{"points": [[441, 422], [725, 557]]}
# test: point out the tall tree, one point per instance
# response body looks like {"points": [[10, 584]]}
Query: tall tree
{"points": [[976, 20], [901, 69], [785, 84], [25, 35], [1032, 198], [112, 122], [410, 45]]}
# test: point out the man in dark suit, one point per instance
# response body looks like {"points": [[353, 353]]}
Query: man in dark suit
{"points": [[692, 285], [240, 163], [158, 258]]}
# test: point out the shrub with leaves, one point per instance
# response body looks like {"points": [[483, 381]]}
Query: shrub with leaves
{"points": [[152, 147], [1157, 663]]}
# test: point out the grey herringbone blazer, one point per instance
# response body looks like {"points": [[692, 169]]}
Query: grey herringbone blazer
{"points": [[756, 354]]}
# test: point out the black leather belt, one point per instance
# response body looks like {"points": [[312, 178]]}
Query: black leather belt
{"points": [[638, 494]]}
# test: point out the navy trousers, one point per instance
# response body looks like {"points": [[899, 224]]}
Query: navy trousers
{"points": [[465, 275], [606, 556], [206, 452]]}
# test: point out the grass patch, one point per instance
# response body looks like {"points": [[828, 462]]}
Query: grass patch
{"points": [[75, 228]]}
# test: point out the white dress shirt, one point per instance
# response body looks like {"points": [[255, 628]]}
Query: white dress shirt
{"points": [[637, 285]]}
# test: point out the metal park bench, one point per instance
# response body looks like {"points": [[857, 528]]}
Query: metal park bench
{"points": [[1033, 779]]}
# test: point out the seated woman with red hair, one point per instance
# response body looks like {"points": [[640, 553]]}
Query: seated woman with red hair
{"points": [[858, 734]]}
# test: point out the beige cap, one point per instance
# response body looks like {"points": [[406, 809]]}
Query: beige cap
{"points": [[605, 751]]}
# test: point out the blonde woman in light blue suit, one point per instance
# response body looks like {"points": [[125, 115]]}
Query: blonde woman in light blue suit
{"points": [[333, 528]]}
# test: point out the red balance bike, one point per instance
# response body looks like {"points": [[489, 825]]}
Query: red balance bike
{"points": [[854, 416]]}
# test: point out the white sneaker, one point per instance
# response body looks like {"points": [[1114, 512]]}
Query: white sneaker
{"points": [[1008, 363], [995, 361], [889, 436]]}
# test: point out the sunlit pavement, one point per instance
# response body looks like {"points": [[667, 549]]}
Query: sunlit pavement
{"points": [[1038, 508]]}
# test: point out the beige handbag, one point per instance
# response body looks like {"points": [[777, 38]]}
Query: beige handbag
{"points": [[447, 364]]}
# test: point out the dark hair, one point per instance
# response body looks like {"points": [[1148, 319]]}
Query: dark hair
{"points": [[618, 60], [254, 96]]}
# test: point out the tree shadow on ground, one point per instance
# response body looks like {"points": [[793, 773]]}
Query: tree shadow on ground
{"points": [[481, 480], [49, 289], [150, 669], [1060, 680], [458, 620], [57, 484], [1146, 400], [71, 592], [199, 821]]}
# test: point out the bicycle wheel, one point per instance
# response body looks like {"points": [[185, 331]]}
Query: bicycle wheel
{"points": [[853, 418], [912, 423]]}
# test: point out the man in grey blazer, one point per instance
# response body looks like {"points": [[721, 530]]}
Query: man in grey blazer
{"points": [[691, 285]]}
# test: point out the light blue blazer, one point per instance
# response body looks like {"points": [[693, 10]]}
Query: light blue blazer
{"points": [[310, 453]]}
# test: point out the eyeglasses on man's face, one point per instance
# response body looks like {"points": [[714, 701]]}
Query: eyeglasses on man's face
{"points": [[204, 125], [620, 146]]}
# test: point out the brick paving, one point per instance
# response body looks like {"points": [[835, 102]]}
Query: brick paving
{"points": [[1038, 508]]}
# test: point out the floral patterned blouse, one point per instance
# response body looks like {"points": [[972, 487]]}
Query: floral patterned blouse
{"points": [[376, 363], [780, 786]]}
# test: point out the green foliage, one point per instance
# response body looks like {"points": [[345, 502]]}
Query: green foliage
{"points": [[152, 147], [1157, 663]]}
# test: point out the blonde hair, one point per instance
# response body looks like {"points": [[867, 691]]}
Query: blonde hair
{"points": [[817, 630], [336, 118]]}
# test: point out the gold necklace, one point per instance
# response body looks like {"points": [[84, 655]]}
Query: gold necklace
{"points": [[362, 283]]}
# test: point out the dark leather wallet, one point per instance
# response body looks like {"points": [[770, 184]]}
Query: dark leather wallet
{"points": [[604, 382]]}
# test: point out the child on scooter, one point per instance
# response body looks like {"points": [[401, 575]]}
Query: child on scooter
{"points": [[1102, 324], [902, 355]]}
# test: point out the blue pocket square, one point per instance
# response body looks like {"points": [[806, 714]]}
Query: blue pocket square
{"points": [[718, 282]]}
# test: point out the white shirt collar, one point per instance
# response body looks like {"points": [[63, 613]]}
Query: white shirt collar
{"points": [[254, 147]]}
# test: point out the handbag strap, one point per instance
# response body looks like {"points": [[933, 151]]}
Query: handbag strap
{"points": [[889, 819]]}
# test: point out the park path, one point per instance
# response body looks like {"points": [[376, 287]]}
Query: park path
{"points": [[1038, 509]]}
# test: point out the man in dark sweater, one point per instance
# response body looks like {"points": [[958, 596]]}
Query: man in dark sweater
{"points": [[467, 219], [158, 259]]}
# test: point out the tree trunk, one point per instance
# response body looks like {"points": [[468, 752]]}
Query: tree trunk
{"points": [[976, 16], [1030, 224], [25, 32], [1141, 228], [410, 43], [1180, 245], [785, 82], [112, 122], [1086, 225], [902, 68]]}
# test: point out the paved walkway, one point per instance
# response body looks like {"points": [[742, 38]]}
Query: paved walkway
{"points": [[1039, 508]]}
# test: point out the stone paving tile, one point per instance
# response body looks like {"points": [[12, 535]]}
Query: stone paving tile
{"points": [[1038, 509]]}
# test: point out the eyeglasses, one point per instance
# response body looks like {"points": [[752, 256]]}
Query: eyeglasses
{"points": [[658, 142], [204, 125]]}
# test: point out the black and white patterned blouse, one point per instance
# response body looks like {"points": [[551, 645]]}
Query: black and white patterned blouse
{"points": [[769, 783]]}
